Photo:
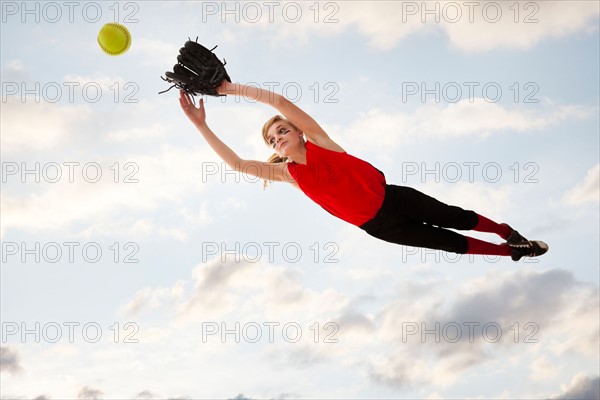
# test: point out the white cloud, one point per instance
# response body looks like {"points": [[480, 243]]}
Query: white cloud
{"points": [[15, 65], [464, 118], [167, 177], [396, 370], [370, 339], [542, 369], [76, 119], [536, 21], [197, 217], [71, 133], [89, 393], [579, 330], [31, 125], [435, 396], [532, 299], [582, 386], [470, 27], [148, 299], [541, 305], [10, 360], [245, 290], [483, 198], [365, 274], [382, 24], [106, 83], [146, 132], [274, 290], [171, 202], [586, 191], [222, 288], [146, 394], [167, 174], [13, 72]]}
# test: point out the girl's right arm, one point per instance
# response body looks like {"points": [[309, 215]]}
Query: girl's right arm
{"points": [[269, 171], [289, 110]]}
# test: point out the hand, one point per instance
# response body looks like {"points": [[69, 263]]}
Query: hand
{"points": [[196, 114]]}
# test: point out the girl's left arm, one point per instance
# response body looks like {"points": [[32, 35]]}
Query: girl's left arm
{"points": [[289, 110], [264, 170]]}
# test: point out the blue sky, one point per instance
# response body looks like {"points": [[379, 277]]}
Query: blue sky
{"points": [[162, 274]]}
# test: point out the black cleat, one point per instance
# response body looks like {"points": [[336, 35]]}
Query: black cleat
{"points": [[515, 237], [533, 248]]}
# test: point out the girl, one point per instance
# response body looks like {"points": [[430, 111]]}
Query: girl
{"points": [[352, 189]]}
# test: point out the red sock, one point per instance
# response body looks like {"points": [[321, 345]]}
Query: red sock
{"points": [[487, 225], [477, 246]]}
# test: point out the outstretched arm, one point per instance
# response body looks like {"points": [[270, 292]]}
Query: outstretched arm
{"points": [[289, 110], [197, 115]]}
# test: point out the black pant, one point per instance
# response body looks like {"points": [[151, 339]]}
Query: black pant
{"points": [[412, 218]]}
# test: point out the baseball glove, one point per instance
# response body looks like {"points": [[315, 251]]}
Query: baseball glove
{"points": [[198, 70]]}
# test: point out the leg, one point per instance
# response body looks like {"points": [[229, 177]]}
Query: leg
{"points": [[476, 246], [487, 225], [419, 207], [418, 234], [407, 217], [433, 211], [430, 237]]}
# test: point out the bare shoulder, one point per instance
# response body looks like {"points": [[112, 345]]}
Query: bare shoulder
{"points": [[326, 142], [312, 130]]}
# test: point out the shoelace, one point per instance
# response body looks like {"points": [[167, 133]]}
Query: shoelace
{"points": [[521, 245]]}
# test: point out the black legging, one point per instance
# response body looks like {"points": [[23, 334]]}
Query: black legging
{"points": [[412, 218]]}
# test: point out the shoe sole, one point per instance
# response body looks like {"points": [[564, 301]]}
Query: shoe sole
{"points": [[538, 248]]}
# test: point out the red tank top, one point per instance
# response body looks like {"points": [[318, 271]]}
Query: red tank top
{"points": [[345, 186]]}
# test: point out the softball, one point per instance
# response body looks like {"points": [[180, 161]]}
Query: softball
{"points": [[114, 39]]}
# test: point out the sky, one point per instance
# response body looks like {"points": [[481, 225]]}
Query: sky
{"points": [[136, 265]]}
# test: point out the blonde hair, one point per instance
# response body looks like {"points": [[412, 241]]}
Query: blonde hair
{"points": [[275, 158]]}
